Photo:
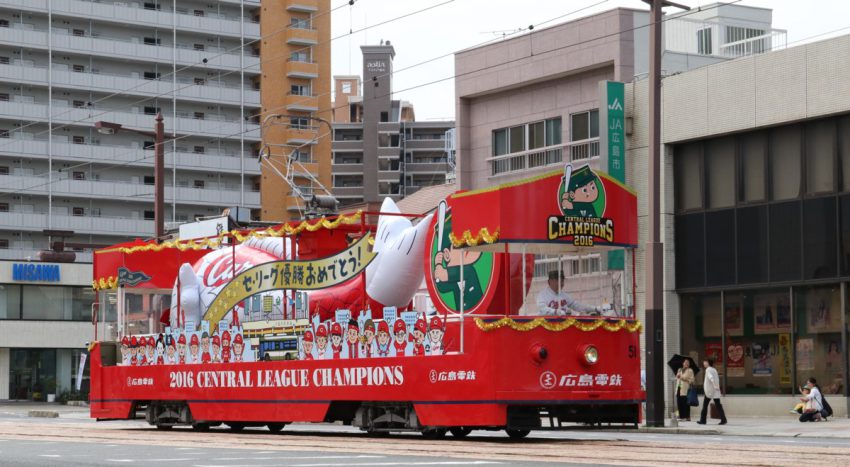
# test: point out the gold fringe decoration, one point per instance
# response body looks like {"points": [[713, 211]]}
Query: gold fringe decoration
{"points": [[467, 239], [610, 326]]}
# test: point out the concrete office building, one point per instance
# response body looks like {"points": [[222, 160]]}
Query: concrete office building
{"points": [[66, 64], [296, 54], [379, 149], [538, 110]]}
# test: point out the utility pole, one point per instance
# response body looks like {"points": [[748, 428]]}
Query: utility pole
{"points": [[159, 178], [654, 308]]}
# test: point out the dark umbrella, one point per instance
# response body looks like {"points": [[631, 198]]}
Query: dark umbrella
{"points": [[676, 362]]}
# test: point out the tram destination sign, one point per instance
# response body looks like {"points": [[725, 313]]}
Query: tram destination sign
{"points": [[34, 272]]}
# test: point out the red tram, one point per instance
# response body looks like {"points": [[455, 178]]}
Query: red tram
{"points": [[271, 326]]}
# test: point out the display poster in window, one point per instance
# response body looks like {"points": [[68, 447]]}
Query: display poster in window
{"points": [[764, 315], [805, 354], [714, 351], [735, 360], [833, 358], [784, 359], [734, 319], [762, 358], [822, 311]]}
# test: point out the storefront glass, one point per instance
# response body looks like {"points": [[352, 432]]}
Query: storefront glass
{"points": [[32, 373], [818, 336], [701, 330], [757, 331]]}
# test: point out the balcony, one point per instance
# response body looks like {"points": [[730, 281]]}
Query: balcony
{"points": [[425, 144], [348, 191], [584, 150], [303, 6], [426, 167], [301, 135], [302, 36], [213, 126], [211, 160], [348, 169], [123, 13], [300, 103], [217, 58], [721, 40], [210, 91], [36, 222], [32, 255], [302, 70], [127, 190]]}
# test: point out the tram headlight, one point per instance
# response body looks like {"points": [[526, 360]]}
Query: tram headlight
{"points": [[591, 355]]}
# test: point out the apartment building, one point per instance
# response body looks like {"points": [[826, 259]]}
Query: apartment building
{"points": [[379, 148], [66, 64], [296, 53]]}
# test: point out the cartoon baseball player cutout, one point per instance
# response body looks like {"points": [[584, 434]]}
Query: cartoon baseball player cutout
{"points": [[447, 264], [401, 345], [352, 339], [160, 350], [238, 347], [435, 337], [225, 346], [215, 356], [580, 192], [322, 348], [336, 341], [171, 349], [194, 348], [205, 348], [181, 349], [307, 346], [368, 340], [125, 350], [419, 332], [134, 351], [383, 346]]}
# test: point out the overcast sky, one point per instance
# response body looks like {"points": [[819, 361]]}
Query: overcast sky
{"points": [[458, 24]]}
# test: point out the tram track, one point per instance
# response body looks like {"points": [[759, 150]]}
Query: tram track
{"points": [[611, 452]]}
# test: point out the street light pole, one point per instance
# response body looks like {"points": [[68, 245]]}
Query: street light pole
{"points": [[159, 178], [654, 309]]}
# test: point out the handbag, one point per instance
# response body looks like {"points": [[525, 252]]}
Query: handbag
{"points": [[713, 412], [693, 400], [827, 409]]}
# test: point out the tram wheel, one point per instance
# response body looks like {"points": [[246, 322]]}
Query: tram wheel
{"points": [[276, 427], [236, 427], [434, 433], [460, 431], [201, 426], [164, 427], [517, 434]]}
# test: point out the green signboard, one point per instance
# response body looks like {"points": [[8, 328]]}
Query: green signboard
{"points": [[613, 115]]}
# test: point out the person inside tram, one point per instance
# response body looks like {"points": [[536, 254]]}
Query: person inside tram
{"points": [[552, 300]]}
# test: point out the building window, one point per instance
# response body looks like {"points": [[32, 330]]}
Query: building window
{"points": [[149, 215], [199, 149], [785, 167], [151, 6], [4, 60], [4, 245], [79, 104], [4, 170], [79, 32], [200, 82], [690, 250], [78, 68], [198, 184], [688, 168], [752, 232], [300, 123], [149, 180], [198, 12], [300, 90], [820, 156], [785, 245], [299, 57], [753, 167], [199, 47], [385, 117], [152, 41], [79, 175], [584, 125], [704, 41], [346, 87], [151, 75], [149, 145], [199, 115], [738, 43], [78, 139], [151, 110], [4, 23], [720, 172], [78, 212], [4, 207]]}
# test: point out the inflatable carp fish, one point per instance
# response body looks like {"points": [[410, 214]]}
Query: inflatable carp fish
{"points": [[392, 278]]}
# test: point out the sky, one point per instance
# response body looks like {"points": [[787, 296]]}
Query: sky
{"points": [[453, 25]]}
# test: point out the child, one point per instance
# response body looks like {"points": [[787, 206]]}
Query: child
{"points": [[799, 408]]}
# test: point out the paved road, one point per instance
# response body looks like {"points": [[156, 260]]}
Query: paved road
{"points": [[76, 440]]}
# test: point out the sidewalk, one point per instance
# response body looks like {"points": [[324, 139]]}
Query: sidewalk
{"points": [[785, 426], [43, 409]]}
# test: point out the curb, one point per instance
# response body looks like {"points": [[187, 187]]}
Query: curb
{"points": [[43, 413], [78, 404]]}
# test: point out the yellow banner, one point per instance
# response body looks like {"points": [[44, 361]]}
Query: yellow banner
{"points": [[298, 275], [784, 359]]}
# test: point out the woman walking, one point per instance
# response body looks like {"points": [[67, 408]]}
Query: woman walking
{"points": [[684, 380]]}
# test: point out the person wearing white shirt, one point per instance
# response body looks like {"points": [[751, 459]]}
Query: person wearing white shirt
{"points": [[711, 388], [816, 399], [552, 301]]}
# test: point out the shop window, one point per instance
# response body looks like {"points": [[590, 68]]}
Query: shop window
{"points": [[10, 297], [753, 157], [818, 337], [701, 330], [757, 332], [720, 171], [785, 245], [688, 168], [720, 247], [46, 302], [820, 156], [752, 232], [819, 242], [785, 144], [690, 250]]}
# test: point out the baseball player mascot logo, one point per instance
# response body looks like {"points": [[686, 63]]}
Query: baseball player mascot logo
{"points": [[307, 346], [322, 348], [336, 341], [401, 345], [419, 332], [435, 337], [352, 339]]}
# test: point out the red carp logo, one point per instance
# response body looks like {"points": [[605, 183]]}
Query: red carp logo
{"points": [[548, 380]]}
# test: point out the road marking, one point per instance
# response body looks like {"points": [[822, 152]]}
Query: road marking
{"points": [[49, 455], [363, 456], [349, 463], [175, 459]]}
